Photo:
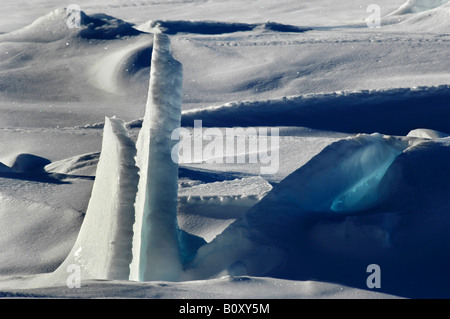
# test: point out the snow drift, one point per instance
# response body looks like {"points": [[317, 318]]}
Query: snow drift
{"points": [[84, 165], [156, 251], [422, 15], [113, 72], [414, 6]]}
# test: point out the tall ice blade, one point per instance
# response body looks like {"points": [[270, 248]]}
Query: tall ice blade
{"points": [[103, 246], [156, 249]]}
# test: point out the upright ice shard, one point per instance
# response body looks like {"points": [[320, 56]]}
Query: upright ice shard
{"points": [[103, 246], [156, 248]]}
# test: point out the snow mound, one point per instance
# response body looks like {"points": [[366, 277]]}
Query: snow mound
{"points": [[105, 27], [29, 163], [54, 27], [428, 134], [38, 237], [113, 71], [244, 187]]}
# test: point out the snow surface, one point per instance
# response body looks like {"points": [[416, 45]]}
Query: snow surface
{"points": [[339, 201]]}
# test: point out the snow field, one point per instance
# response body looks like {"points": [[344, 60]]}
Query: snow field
{"points": [[339, 201]]}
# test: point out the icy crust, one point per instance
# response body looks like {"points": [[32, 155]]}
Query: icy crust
{"points": [[103, 247], [156, 250], [393, 210]]}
